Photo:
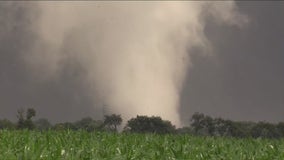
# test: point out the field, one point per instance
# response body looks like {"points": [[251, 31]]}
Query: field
{"points": [[77, 145]]}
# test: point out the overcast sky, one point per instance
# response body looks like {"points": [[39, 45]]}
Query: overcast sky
{"points": [[242, 80]]}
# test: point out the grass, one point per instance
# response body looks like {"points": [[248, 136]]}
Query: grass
{"points": [[81, 145]]}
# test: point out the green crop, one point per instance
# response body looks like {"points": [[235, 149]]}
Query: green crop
{"points": [[81, 145]]}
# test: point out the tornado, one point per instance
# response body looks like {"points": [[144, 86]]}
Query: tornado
{"points": [[135, 54]]}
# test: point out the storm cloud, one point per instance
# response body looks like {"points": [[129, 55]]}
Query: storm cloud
{"points": [[71, 59]]}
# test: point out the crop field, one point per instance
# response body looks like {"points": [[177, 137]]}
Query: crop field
{"points": [[77, 145]]}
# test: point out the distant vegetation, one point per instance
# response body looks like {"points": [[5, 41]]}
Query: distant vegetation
{"points": [[200, 124], [208, 126], [145, 124], [142, 137]]}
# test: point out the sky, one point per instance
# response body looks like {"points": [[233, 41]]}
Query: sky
{"points": [[241, 79]]}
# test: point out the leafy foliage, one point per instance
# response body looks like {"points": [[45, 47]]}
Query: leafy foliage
{"points": [[21, 119], [207, 126], [42, 124], [145, 124], [6, 124], [280, 127], [112, 121], [203, 125], [88, 124], [27, 121], [265, 130]]}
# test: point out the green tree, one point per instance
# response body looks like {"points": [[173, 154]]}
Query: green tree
{"points": [[265, 130], [88, 124], [280, 128], [21, 119], [196, 121], [112, 121], [6, 124], [221, 127], [145, 124], [29, 115], [25, 121], [237, 129], [42, 124], [202, 125]]}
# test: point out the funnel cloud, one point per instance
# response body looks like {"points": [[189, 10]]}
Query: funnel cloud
{"points": [[135, 54], [132, 57]]}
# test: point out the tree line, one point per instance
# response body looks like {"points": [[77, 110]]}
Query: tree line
{"points": [[200, 124], [205, 125]]}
